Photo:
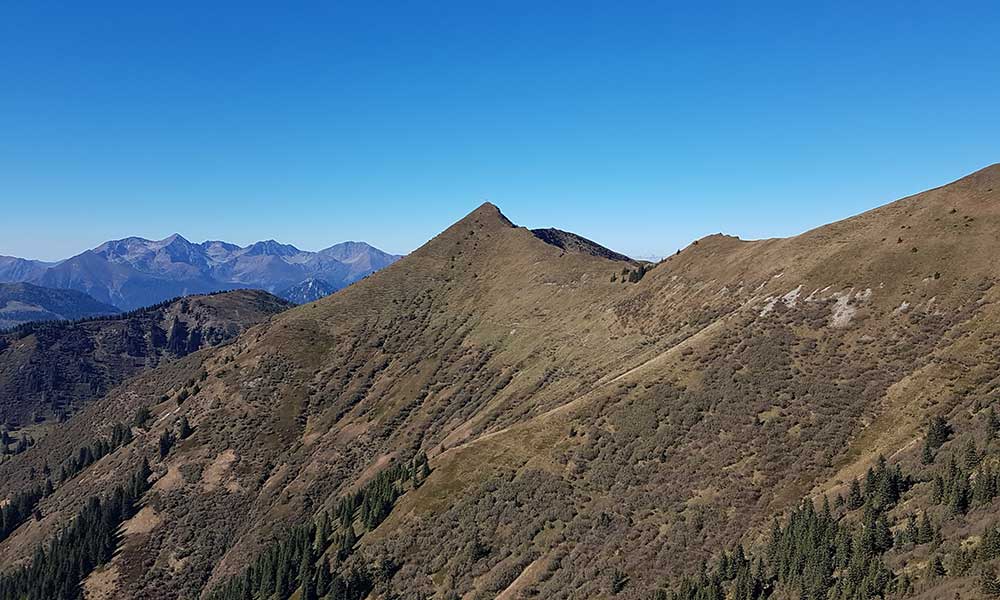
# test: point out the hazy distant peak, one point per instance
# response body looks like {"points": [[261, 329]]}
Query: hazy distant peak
{"points": [[134, 271], [352, 251], [270, 248], [173, 239]]}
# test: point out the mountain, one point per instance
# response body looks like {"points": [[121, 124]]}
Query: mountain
{"points": [[23, 302], [49, 370], [507, 414], [134, 272], [14, 269], [309, 290]]}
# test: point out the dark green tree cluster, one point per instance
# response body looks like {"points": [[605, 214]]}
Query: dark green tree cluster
{"points": [[915, 534], [938, 432], [169, 438], [24, 504], [57, 569], [882, 488], [301, 560], [20, 507], [375, 500], [813, 554], [291, 564], [9, 445], [632, 275], [87, 455], [955, 488], [818, 556], [733, 573]]}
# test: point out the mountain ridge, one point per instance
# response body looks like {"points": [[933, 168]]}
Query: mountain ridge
{"points": [[133, 271], [588, 435], [97, 353], [24, 302]]}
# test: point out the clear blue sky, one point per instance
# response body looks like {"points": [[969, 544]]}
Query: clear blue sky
{"points": [[642, 125]]}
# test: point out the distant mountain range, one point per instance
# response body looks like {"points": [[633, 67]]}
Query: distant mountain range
{"points": [[24, 302], [135, 272]]}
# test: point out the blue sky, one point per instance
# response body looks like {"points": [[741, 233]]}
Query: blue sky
{"points": [[642, 125]]}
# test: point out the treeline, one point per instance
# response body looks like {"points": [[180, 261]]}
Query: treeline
{"points": [[25, 503], [814, 552], [820, 555], [89, 541], [302, 559], [85, 456], [20, 507], [25, 329]]}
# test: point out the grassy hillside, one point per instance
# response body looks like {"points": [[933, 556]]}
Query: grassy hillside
{"points": [[592, 428], [48, 369]]}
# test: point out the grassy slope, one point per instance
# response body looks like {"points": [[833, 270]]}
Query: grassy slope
{"points": [[580, 426]]}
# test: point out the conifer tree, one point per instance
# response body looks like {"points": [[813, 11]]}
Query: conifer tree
{"points": [[972, 457], [184, 428], [992, 425], [855, 499]]}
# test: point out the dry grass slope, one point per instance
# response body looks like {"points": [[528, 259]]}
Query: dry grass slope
{"points": [[588, 437]]}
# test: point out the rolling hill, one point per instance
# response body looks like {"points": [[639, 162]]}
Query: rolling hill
{"points": [[23, 302], [48, 370], [508, 413]]}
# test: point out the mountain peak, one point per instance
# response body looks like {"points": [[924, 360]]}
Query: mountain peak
{"points": [[487, 215], [174, 237], [270, 248]]}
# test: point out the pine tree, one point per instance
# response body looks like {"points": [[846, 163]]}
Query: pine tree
{"points": [[348, 542], [925, 532], [306, 575], [927, 456], [936, 569], [141, 416], [323, 578], [972, 457], [184, 428], [992, 425], [938, 432], [961, 496], [166, 442], [912, 531], [855, 499], [937, 492], [322, 533]]}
